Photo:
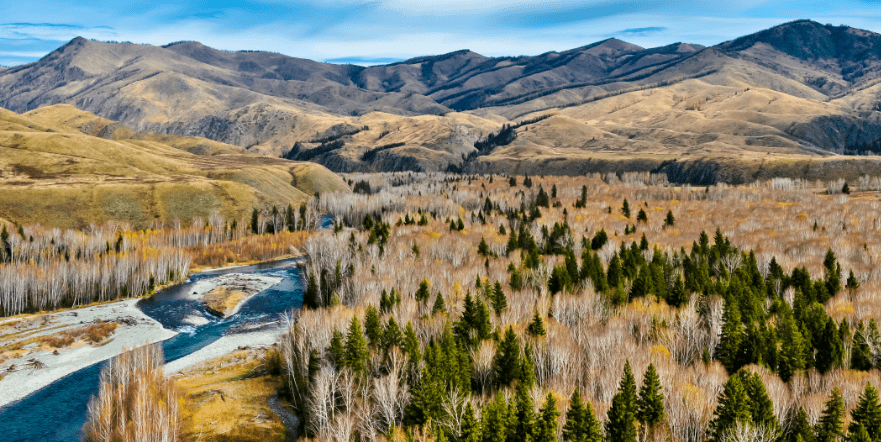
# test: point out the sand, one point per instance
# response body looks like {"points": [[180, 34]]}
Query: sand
{"points": [[135, 329]]}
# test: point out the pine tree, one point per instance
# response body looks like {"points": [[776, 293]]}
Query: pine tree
{"points": [[761, 406], [546, 425], [729, 348], [867, 413], [830, 349], [622, 418], [523, 418], [852, 284], [537, 326], [470, 431], [255, 221], [439, 305], [625, 208], [336, 352], [499, 300], [507, 359], [800, 428], [581, 422], [494, 421], [733, 408], [830, 427], [311, 295], [651, 399], [642, 217], [858, 433], [373, 326], [791, 357], [670, 221], [411, 345], [391, 335], [483, 248], [356, 347], [422, 294]]}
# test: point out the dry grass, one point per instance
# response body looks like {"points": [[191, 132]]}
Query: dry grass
{"points": [[249, 250], [222, 300], [226, 400]]}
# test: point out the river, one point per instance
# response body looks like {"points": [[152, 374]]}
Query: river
{"points": [[58, 411]]}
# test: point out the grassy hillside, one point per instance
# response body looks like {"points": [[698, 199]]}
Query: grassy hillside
{"points": [[53, 173]]}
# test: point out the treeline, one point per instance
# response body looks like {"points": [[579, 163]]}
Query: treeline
{"points": [[371, 154], [298, 153], [505, 136]]}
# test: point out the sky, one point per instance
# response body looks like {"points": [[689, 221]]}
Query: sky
{"points": [[368, 32]]}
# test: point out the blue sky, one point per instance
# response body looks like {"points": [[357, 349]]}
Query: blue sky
{"points": [[381, 31]]}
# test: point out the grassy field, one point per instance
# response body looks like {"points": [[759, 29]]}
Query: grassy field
{"points": [[55, 170]]}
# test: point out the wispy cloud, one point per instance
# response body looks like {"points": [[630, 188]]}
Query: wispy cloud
{"points": [[363, 61], [380, 31]]}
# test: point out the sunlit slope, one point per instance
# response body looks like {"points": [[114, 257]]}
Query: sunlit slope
{"points": [[56, 175]]}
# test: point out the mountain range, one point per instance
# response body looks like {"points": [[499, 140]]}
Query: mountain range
{"points": [[800, 99]]}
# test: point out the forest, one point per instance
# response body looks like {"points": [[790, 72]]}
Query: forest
{"points": [[477, 308], [445, 307]]}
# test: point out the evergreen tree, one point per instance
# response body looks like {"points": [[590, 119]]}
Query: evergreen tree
{"points": [[546, 425], [483, 248], [581, 422], [852, 283], [411, 345], [311, 296], [670, 221], [858, 433], [537, 326], [830, 427], [507, 359], [867, 414], [499, 301], [800, 428], [391, 335], [642, 217], [733, 408], [761, 406], [356, 347], [729, 348], [791, 357], [470, 431], [336, 352], [255, 221], [622, 416], [625, 208], [830, 349], [494, 421], [651, 399], [373, 326], [678, 295], [861, 355], [439, 305], [422, 294]]}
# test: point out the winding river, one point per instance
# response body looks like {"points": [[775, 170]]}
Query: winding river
{"points": [[58, 411]]}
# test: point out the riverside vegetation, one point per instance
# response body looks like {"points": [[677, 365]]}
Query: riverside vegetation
{"points": [[489, 308]]}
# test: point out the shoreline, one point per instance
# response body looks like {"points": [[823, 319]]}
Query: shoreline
{"points": [[135, 329]]}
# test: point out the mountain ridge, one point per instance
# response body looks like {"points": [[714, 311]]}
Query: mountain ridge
{"points": [[427, 113]]}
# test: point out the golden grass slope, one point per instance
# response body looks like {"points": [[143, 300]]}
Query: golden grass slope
{"points": [[56, 175]]}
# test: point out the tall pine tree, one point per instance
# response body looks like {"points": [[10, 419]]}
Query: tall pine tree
{"points": [[622, 416]]}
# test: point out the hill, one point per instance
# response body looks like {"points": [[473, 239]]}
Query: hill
{"points": [[799, 93], [54, 170]]}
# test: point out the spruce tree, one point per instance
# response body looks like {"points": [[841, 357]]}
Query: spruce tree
{"points": [[761, 406], [830, 427], [670, 221], [830, 349], [791, 357], [373, 326], [470, 430], [733, 408], [858, 433], [356, 347], [546, 426], [867, 413], [622, 416], [625, 208], [336, 352], [422, 294], [494, 421], [507, 359], [498, 298], [581, 422], [536, 327], [729, 348], [651, 399], [411, 345], [800, 428], [439, 305], [311, 295], [391, 335]]}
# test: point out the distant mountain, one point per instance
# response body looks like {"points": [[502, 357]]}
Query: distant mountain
{"points": [[801, 91]]}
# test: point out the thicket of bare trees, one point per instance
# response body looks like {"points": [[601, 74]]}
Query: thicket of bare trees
{"points": [[135, 401], [342, 387], [45, 268]]}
